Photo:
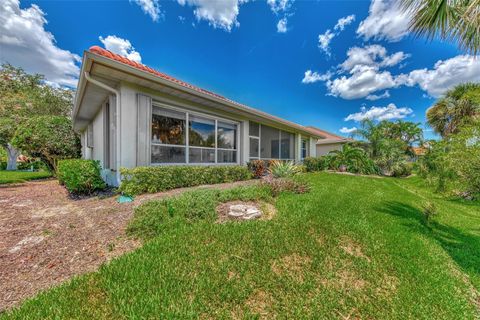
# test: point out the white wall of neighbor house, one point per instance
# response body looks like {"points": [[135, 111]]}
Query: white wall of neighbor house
{"points": [[323, 149]]}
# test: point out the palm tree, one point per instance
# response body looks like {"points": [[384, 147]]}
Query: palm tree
{"points": [[348, 158], [455, 20], [460, 106]]}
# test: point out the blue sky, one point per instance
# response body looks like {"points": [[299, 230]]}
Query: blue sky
{"points": [[254, 52]]}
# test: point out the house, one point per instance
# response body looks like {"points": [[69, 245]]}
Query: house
{"points": [[131, 115], [328, 141]]}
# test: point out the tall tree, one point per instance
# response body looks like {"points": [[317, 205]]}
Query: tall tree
{"points": [[460, 106], [23, 96], [454, 20]]}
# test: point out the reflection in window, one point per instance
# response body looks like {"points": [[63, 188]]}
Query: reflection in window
{"points": [[226, 156], [168, 154], [201, 155], [201, 132], [227, 136], [168, 127]]}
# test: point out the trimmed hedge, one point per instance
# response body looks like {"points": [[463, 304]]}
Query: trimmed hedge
{"points": [[160, 178], [80, 176]]}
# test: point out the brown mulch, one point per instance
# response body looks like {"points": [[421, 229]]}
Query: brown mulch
{"points": [[46, 237]]}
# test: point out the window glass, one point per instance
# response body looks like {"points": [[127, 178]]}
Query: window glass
{"points": [[287, 145], [167, 154], [254, 148], [168, 127], [201, 132], [227, 135], [226, 156], [269, 144], [304, 149], [201, 155], [254, 129]]}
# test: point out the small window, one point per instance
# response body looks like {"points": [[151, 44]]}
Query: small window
{"points": [[304, 148], [254, 148], [90, 136]]}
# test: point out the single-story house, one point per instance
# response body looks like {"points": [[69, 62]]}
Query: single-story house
{"points": [[328, 141], [131, 115]]}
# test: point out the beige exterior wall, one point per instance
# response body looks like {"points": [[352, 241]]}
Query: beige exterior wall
{"points": [[323, 149]]}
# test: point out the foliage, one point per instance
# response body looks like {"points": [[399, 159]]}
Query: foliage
{"points": [[352, 159], [23, 96], [459, 107], [277, 186], [429, 210], [402, 169], [259, 168], [80, 176], [314, 164], [154, 217], [22, 176], [160, 178], [453, 164], [457, 21], [49, 138], [283, 169]]}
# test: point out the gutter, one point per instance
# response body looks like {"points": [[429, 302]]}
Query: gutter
{"points": [[118, 118]]}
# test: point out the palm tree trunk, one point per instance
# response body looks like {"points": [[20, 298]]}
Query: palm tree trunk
{"points": [[12, 154]]}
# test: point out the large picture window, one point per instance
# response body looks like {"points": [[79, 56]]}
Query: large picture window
{"points": [[270, 143], [184, 137]]}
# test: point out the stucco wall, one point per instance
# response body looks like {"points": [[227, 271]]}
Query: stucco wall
{"points": [[98, 137], [323, 149]]}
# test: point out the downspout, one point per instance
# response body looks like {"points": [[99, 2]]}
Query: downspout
{"points": [[117, 102]]}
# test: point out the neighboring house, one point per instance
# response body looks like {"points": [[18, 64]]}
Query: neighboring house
{"points": [[327, 141], [131, 115]]}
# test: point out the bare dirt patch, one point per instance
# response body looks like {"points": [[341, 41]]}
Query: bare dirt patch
{"points": [[293, 265], [47, 237], [352, 248], [259, 303]]}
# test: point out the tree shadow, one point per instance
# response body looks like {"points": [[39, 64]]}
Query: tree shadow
{"points": [[462, 247]]}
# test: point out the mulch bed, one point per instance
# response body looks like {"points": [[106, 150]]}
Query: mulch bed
{"points": [[47, 237]]}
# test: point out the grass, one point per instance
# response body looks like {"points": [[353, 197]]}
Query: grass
{"points": [[354, 247], [22, 176]]}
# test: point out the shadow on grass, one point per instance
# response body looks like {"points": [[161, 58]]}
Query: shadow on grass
{"points": [[464, 248]]}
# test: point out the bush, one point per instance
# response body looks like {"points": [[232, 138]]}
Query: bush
{"points": [[36, 164], [402, 169], [316, 164], [258, 168], [160, 178], [283, 169], [429, 210], [80, 176]]}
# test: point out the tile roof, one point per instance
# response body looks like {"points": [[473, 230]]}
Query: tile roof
{"points": [[326, 134]]}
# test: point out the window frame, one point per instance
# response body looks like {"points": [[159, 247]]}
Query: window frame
{"points": [[259, 138], [187, 146]]}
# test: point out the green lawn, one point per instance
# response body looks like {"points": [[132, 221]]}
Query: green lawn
{"points": [[354, 247], [22, 176]]}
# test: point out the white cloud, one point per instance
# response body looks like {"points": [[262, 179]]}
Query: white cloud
{"points": [[279, 6], [348, 130], [150, 7], [282, 25], [343, 22], [386, 21], [373, 55], [364, 81], [444, 75], [122, 47], [324, 39], [389, 112], [373, 97], [25, 43], [219, 14], [311, 77]]}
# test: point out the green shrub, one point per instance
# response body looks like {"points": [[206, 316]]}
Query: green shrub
{"points": [[160, 178], [258, 168], [277, 186], [316, 164], [283, 169], [429, 210], [402, 169], [36, 164], [80, 176]]}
